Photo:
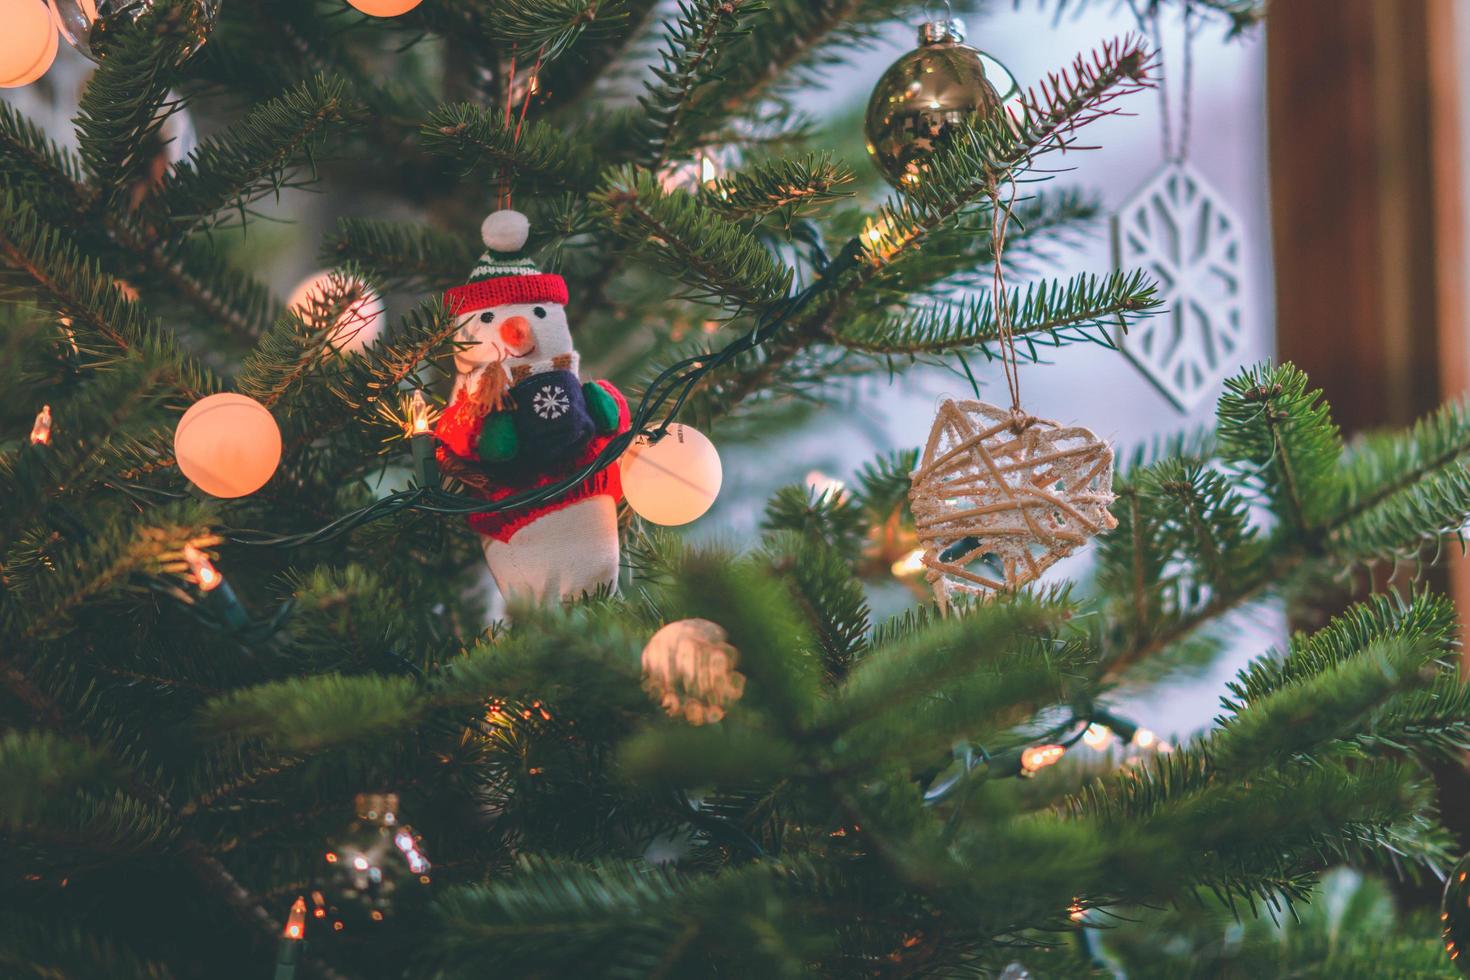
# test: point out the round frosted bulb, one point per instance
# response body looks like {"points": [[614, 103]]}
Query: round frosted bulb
{"points": [[28, 45], [384, 8], [227, 445], [356, 329], [674, 480]]}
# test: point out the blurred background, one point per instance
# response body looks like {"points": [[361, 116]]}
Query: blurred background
{"points": [[1324, 224]]}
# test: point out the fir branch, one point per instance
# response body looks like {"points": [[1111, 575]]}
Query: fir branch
{"points": [[719, 261], [971, 166], [552, 27], [1282, 434], [32, 162], [791, 188], [1376, 619], [252, 159], [38, 258], [695, 42], [829, 596], [311, 713], [1051, 313], [125, 102], [401, 255], [541, 157]]}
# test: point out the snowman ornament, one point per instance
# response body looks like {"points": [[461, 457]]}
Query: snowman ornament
{"points": [[520, 418]]}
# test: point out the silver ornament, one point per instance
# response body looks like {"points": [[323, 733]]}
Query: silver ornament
{"points": [[368, 866], [90, 25], [922, 98]]}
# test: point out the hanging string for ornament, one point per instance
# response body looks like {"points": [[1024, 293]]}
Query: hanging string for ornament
{"points": [[503, 197], [1000, 218], [1148, 22]]}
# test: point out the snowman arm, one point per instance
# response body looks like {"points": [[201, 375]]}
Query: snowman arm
{"points": [[498, 441], [603, 407]]}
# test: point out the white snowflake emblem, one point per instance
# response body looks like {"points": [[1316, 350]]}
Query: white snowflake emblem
{"points": [[551, 402]]}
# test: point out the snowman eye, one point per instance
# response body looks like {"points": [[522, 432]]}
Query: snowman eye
{"points": [[540, 312], [487, 317]]}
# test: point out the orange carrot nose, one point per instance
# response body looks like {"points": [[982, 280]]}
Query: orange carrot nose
{"points": [[515, 332]]}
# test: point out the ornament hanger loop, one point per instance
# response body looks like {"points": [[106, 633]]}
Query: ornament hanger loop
{"points": [[1148, 22]]}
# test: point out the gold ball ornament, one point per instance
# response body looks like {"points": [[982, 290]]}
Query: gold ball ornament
{"points": [[29, 43], [384, 8], [689, 668], [674, 480], [922, 98], [227, 445], [1454, 916]]}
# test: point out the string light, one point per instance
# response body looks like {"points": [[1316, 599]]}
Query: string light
{"points": [[826, 485], [1038, 757], [419, 414], [419, 419], [41, 429], [205, 575], [1098, 737], [296, 921], [417, 863], [1145, 739], [910, 564], [293, 939]]}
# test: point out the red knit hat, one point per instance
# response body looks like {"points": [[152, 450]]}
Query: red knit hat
{"points": [[505, 274]]}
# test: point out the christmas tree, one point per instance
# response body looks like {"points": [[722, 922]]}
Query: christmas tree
{"points": [[256, 710]]}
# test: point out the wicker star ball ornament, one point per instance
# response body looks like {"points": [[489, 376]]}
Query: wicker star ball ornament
{"points": [[999, 496]]}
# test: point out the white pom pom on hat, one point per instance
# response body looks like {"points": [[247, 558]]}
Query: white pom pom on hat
{"points": [[505, 231]]}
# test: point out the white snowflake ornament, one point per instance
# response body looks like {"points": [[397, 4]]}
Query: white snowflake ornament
{"points": [[1181, 231], [1000, 496]]}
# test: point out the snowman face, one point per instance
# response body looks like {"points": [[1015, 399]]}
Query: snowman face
{"points": [[520, 333]]}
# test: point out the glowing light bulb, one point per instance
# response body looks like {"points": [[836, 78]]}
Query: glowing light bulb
{"points": [[1038, 757], [910, 564], [881, 237], [419, 414], [825, 485], [41, 430], [296, 922], [1098, 737], [708, 172], [205, 574]]}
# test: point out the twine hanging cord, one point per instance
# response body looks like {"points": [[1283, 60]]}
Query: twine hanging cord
{"points": [[1148, 23], [1000, 218]]}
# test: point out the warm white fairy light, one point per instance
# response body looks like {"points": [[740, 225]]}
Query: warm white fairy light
{"points": [[420, 415], [910, 564], [1098, 737], [826, 485], [417, 863], [1038, 757], [206, 576], [296, 922], [41, 428]]}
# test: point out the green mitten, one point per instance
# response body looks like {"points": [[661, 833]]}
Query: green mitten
{"points": [[601, 406], [498, 442]]}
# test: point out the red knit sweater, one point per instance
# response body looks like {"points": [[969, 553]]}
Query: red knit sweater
{"points": [[458, 433]]}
